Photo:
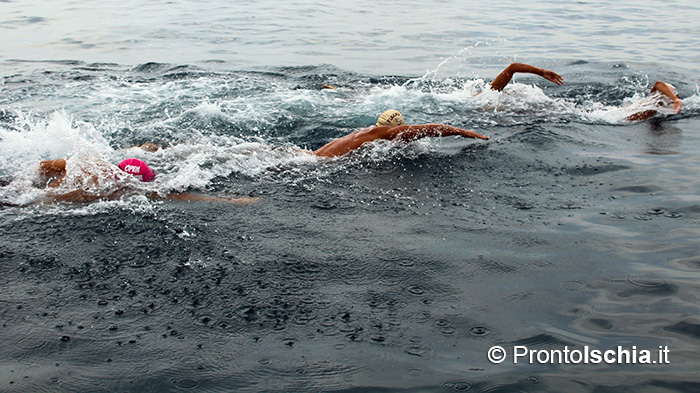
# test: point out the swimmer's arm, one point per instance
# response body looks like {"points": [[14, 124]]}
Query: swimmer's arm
{"points": [[414, 132], [353, 141], [190, 197], [664, 89], [500, 82]]}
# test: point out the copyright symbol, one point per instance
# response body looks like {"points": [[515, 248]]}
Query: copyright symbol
{"points": [[497, 355]]}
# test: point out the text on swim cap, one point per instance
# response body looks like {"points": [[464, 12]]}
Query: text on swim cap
{"points": [[392, 117]]}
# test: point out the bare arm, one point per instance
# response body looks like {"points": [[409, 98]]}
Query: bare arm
{"points": [[414, 132], [353, 141], [190, 197], [506, 75], [82, 196], [666, 90]]}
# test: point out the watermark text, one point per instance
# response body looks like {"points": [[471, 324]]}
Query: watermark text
{"points": [[521, 354]]}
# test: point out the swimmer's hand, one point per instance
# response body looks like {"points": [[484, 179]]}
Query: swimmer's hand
{"points": [[552, 77], [191, 197], [472, 134], [677, 105], [244, 200]]}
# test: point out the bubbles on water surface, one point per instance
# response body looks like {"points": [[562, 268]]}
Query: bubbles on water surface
{"points": [[479, 331]]}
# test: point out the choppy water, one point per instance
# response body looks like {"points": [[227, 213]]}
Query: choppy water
{"points": [[395, 268]]}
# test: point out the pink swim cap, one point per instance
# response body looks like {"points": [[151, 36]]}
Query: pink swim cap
{"points": [[137, 168]]}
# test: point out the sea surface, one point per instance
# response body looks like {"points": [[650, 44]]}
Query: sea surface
{"points": [[396, 268]]}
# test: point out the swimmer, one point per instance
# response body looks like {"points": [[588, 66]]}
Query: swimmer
{"points": [[53, 173], [665, 95], [502, 79], [391, 126], [662, 93]]}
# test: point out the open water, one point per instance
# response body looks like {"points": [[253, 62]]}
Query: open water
{"points": [[393, 269]]}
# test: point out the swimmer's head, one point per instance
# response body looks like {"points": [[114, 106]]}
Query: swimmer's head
{"points": [[391, 117], [150, 147], [137, 168]]}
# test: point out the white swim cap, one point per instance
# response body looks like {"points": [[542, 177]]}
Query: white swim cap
{"points": [[391, 117]]}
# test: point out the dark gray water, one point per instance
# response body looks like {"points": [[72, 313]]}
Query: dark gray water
{"points": [[396, 268]]}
